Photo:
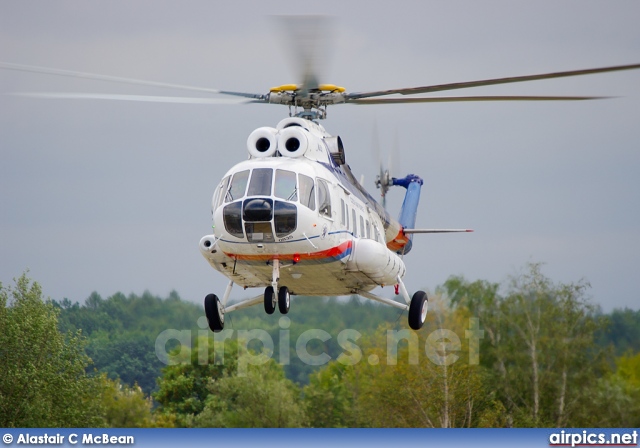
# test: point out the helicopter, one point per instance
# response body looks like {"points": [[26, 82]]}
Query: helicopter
{"points": [[292, 219]]}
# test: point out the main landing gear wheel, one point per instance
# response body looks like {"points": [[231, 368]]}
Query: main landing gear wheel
{"points": [[284, 300], [214, 311], [418, 310], [269, 300]]}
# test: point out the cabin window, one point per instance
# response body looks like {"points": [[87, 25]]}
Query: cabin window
{"points": [[285, 218], [362, 234], [342, 211], [285, 186], [233, 219], [238, 186], [354, 222], [346, 216], [260, 184], [368, 229], [307, 192], [324, 198]]}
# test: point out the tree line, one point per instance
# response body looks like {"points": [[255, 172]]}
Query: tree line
{"points": [[525, 353]]}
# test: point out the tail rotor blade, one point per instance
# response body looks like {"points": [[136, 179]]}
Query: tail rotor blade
{"points": [[382, 178]]}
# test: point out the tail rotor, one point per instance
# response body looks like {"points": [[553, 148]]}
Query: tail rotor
{"points": [[384, 179]]}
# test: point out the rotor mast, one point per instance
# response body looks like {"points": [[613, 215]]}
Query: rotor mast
{"points": [[308, 103]]}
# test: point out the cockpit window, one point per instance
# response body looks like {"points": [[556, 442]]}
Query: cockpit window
{"points": [[285, 218], [238, 186], [233, 219], [218, 196], [307, 192], [285, 187], [260, 184]]}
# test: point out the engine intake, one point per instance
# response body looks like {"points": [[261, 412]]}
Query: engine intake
{"points": [[263, 142], [293, 141]]}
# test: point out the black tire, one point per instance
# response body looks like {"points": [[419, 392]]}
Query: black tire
{"points": [[214, 312], [269, 300], [284, 300], [418, 310]]}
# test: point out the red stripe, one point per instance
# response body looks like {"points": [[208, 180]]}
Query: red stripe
{"points": [[329, 253]]}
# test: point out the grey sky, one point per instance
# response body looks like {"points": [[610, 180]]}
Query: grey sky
{"points": [[114, 196]]}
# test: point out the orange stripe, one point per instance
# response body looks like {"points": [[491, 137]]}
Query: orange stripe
{"points": [[398, 242]]}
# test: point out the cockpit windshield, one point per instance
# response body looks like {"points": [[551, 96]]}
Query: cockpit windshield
{"points": [[238, 186], [257, 210], [286, 185], [261, 183]]}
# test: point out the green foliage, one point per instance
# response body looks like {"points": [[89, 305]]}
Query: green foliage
{"points": [[327, 314], [128, 356], [260, 398], [329, 400], [122, 332], [629, 370], [539, 351], [542, 362], [208, 387], [42, 371], [621, 333], [617, 396], [124, 406], [183, 388], [129, 407], [430, 381]]}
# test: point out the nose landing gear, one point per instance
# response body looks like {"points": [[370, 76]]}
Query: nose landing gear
{"points": [[284, 300], [269, 300]]}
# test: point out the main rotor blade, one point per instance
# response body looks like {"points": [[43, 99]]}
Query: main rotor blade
{"points": [[73, 74], [452, 99], [308, 38], [144, 98], [489, 82]]}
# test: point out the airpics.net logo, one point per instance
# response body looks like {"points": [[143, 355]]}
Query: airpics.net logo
{"points": [[589, 438], [442, 346]]}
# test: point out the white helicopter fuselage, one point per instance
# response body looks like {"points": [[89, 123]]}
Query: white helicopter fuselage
{"points": [[295, 204]]}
